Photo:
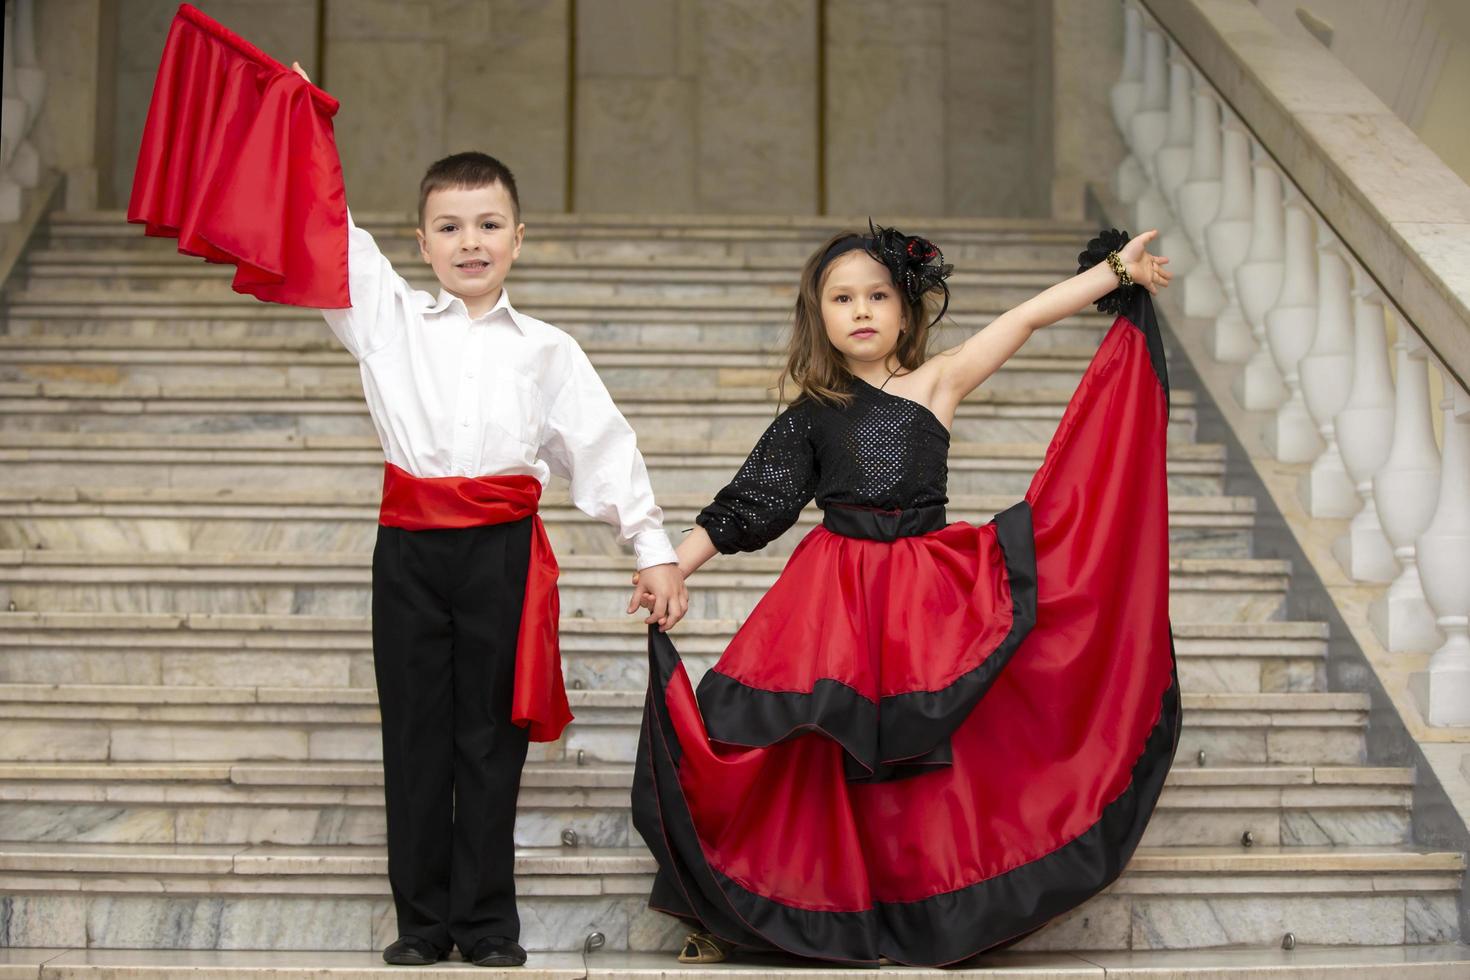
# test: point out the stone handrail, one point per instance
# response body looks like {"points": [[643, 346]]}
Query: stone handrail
{"points": [[1349, 155], [1274, 185]]}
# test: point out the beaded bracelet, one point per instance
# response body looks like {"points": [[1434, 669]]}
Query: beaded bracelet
{"points": [[1115, 262]]}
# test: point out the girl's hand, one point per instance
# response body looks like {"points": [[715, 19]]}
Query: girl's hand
{"points": [[1145, 269], [296, 67]]}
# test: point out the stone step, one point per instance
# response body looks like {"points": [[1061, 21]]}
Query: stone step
{"points": [[591, 324], [337, 584], [143, 256], [327, 651], [588, 806], [44, 459], [1446, 961], [732, 414], [105, 518], [762, 292], [632, 233], [532, 283], [621, 367], [119, 722], [546, 301], [323, 897]]}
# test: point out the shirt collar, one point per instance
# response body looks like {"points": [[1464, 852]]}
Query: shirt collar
{"points": [[445, 300]]}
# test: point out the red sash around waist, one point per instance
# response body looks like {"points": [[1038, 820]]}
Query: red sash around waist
{"points": [[419, 504]]}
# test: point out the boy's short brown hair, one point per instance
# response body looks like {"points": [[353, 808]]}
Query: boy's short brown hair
{"points": [[471, 169]]}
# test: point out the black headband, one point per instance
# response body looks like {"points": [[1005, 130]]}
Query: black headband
{"points": [[848, 243]]}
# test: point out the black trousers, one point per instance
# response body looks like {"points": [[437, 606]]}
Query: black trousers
{"points": [[446, 608]]}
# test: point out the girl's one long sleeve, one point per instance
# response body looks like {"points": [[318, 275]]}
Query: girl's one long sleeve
{"points": [[773, 485]]}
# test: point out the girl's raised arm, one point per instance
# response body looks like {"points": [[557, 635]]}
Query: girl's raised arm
{"points": [[964, 368]]}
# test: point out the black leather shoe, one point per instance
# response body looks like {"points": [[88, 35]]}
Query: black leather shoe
{"points": [[497, 951], [412, 951]]}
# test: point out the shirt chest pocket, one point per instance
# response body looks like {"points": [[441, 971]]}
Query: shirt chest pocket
{"points": [[512, 403]]}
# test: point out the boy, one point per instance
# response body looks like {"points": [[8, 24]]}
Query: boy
{"points": [[475, 404]]}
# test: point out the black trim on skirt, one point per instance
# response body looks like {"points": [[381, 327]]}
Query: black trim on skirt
{"points": [[940, 930], [904, 734]]}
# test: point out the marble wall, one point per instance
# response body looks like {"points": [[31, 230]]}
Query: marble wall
{"points": [[71, 134], [883, 107], [1083, 58], [696, 106]]}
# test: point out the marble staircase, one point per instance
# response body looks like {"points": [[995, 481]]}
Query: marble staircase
{"points": [[188, 775]]}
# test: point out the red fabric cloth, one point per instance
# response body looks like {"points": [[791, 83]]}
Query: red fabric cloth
{"points": [[238, 161], [419, 504]]}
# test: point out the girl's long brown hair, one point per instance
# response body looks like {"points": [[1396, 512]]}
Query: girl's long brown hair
{"points": [[813, 365]]}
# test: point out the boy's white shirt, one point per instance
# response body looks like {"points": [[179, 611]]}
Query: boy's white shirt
{"points": [[499, 395]]}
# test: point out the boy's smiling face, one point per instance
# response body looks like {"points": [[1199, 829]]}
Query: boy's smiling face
{"points": [[470, 237]]}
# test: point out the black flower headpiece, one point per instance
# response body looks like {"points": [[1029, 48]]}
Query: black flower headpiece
{"points": [[1109, 240], [916, 264]]}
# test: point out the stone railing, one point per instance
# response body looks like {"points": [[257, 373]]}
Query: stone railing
{"points": [[1302, 314], [24, 88]]}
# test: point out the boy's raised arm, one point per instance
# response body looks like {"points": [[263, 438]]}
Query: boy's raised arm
{"points": [[376, 290], [381, 299]]}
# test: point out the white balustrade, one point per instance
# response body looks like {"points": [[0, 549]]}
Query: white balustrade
{"points": [[1171, 164], [1199, 200], [1326, 490], [1284, 297], [1258, 285], [1152, 130], [1291, 435], [1228, 240], [1128, 89], [1126, 98], [1443, 691], [1406, 490], [1364, 430], [1149, 125]]}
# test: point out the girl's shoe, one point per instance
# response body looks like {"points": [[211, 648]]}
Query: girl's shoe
{"points": [[702, 947]]}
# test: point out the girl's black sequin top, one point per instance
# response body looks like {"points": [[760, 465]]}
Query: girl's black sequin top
{"points": [[881, 451]]}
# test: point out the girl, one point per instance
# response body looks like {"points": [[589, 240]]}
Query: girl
{"points": [[928, 738]]}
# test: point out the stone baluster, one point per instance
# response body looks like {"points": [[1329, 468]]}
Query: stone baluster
{"points": [[1132, 177], [1291, 435], [1149, 125], [1443, 691], [1258, 284], [1364, 430], [1228, 239], [1406, 490], [1152, 131], [30, 84], [1172, 168], [14, 118], [1124, 98], [1199, 200], [1326, 490]]}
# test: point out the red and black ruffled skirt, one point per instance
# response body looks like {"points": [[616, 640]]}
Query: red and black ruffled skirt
{"points": [[929, 740]]}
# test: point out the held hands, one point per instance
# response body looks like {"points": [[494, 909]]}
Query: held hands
{"points": [[660, 589], [1145, 269]]}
